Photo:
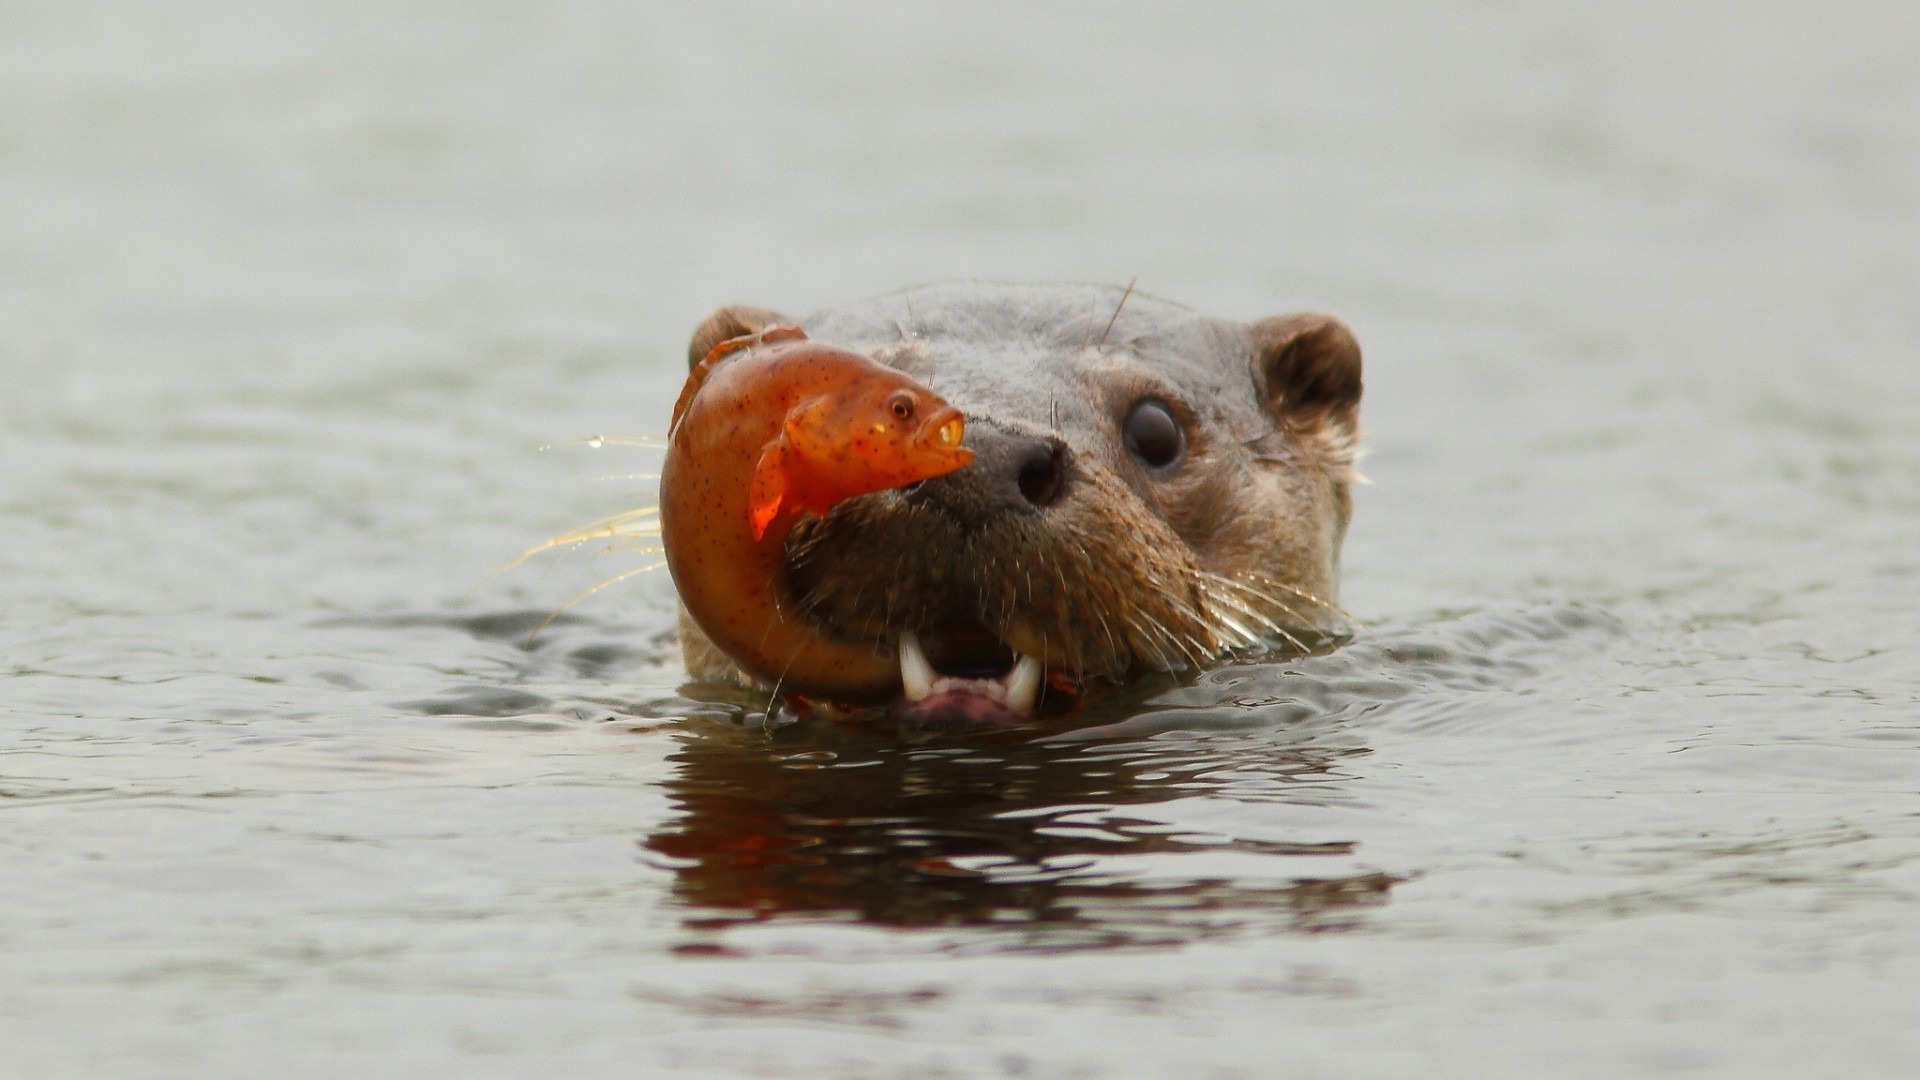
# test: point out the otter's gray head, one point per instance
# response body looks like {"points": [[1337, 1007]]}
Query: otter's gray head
{"points": [[1150, 488]]}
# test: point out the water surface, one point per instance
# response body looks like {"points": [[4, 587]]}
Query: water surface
{"points": [[1622, 779]]}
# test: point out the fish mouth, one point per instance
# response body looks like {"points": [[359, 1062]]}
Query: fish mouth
{"points": [[964, 676], [940, 434]]}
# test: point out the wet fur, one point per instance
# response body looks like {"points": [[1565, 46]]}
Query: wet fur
{"points": [[1126, 569]]}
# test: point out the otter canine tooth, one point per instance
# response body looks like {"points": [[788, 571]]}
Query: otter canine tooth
{"points": [[1023, 685], [916, 674]]}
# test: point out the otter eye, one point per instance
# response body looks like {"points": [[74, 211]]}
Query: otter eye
{"points": [[1152, 435], [901, 406]]}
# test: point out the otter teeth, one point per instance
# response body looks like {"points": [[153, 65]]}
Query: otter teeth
{"points": [[1018, 689], [1023, 684], [916, 674]]}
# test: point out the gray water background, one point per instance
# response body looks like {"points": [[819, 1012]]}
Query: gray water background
{"points": [[1626, 781]]}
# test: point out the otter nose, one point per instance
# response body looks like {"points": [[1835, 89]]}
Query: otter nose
{"points": [[1010, 473], [1041, 466]]}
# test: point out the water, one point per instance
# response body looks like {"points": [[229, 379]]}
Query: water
{"points": [[1624, 781]]}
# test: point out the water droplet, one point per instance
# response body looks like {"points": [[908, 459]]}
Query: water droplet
{"points": [[596, 441]]}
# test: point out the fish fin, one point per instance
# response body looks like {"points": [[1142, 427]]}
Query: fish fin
{"points": [[767, 492]]}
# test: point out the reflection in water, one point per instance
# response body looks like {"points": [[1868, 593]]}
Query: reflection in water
{"points": [[1075, 837], [821, 819]]}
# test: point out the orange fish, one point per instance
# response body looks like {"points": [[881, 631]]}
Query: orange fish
{"points": [[770, 427]]}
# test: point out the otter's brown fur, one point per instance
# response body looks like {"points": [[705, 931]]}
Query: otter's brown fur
{"points": [[1058, 542]]}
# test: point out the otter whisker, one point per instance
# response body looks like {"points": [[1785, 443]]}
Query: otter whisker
{"points": [[1215, 584], [623, 547], [1229, 632], [1346, 616], [1199, 651], [640, 522], [1080, 649], [1115, 317], [1114, 652], [614, 580], [1252, 637], [1201, 641], [1168, 644], [649, 442], [1255, 604], [1194, 649], [773, 695], [1241, 577], [640, 519], [1218, 585], [1218, 589], [1145, 637], [1155, 642]]}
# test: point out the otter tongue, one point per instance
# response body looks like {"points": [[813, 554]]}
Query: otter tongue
{"points": [[1018, 689]]}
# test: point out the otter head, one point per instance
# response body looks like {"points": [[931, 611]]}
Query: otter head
{"points": [[1150, 488]]}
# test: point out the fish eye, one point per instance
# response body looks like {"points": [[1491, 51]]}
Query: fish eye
{"points": [[1152, 435], [901, 406]]}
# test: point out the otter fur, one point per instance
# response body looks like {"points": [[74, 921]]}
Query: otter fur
{"points": [[1151, 487]]}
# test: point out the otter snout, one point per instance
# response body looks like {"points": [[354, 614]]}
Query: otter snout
{"points": [[1011, 474]]}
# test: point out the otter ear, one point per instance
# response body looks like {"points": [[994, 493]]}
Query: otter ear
{"points": [[729, 322], [1307, 371]]}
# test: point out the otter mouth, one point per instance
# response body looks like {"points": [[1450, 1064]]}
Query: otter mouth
{"points": [[964, 676]]}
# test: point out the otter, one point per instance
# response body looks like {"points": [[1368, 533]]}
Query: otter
{"points": [[1150, 489]]}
